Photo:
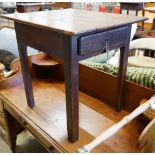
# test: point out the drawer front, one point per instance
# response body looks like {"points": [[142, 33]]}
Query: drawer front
{"points": [[103, 41]]}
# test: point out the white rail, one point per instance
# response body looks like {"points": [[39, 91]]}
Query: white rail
{"points": [[113, 129]]}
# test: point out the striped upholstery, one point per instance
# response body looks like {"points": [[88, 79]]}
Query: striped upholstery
{"points": [[9, 43], [141, 76], [102, 58]]}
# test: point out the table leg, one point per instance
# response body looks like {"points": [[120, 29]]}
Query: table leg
{"points": [[122, 73], [26, 74], [71, 70], [22, 48]]}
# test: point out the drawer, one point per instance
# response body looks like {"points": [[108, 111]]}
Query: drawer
{"points": [[107, 40]]}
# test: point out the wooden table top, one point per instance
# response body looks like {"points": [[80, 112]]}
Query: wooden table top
{"points": [[72, 21], [33, 4], [49, 116], [136, 3]]}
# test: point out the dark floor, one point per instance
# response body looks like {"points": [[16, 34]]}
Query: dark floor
{"points": [[26, 143]]}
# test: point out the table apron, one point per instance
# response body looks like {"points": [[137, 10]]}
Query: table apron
{"points": [[41, 39], [52, 43]]}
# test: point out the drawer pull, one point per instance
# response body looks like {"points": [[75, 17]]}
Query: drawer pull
{"points": [[107, 49], [51, 148], [107, 45], [23, 122]]}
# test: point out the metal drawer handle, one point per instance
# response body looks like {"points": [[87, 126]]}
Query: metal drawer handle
{"points": [[107, 49], [107, 45]]}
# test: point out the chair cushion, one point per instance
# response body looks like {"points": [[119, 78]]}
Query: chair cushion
{"points": [[143, 43], [141, 61], [139, 75], [102, 58]]}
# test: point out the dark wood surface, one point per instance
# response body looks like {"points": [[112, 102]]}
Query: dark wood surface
{"points": [[22, 48], [122, 73], [58, 33], [101, 41], [72, 22], [5, 122], [32, 7], [71, 70], [47, 120]]}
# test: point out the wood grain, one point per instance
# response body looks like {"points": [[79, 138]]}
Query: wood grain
{"points": [[150, 113], [124, 50], [47, 120], [72, 21], [59, 38], [133, 93], [62, 29], [45, 61], [22, 48], [147, 138], [31, 7]]}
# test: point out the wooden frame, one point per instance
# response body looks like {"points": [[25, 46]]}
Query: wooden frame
{"points": [[101, 85], [17, 110], [91, 80]]}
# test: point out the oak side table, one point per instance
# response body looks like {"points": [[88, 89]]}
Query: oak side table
{"points": [[73, 35]]}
